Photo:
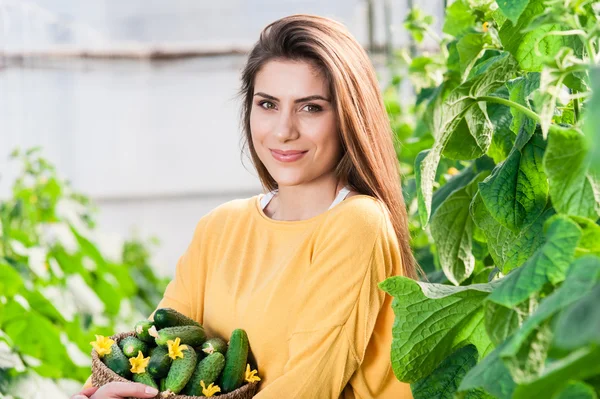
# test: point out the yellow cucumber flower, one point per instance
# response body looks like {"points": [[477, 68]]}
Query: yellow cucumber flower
{"points": [[102, 345], [139, 363], [486, 26], [251, 376], [175, 348], [210, 390]]}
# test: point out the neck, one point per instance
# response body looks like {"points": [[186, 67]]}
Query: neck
{"points": [[305, 201]]}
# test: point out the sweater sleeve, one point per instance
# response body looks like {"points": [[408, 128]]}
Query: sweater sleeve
{"points": [[336, 312]]}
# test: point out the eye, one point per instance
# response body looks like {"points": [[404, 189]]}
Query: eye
{"points": [[316, 108], [260, 104]]}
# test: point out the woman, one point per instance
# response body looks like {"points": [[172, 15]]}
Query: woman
{"points": [[298, 267]]}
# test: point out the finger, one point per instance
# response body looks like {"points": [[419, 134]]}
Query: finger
{"points": [[88, 391], [130, 389], [78, 396]]}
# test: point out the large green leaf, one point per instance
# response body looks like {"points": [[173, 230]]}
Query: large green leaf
{"points": [[577, 390], [444, 381], [446, 117], [532, 47], [452, 231], [517, 353], [508, 249], [548, 265], [491, 375], [516, 192], [572, 189], [583, 317], [432, 321], [519, 91], [512, 8], [589, 243], [503, 138], [459, 19]]}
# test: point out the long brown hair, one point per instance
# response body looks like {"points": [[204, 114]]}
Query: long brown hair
{"points": [[369, 164]]}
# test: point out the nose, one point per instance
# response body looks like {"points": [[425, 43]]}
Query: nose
{"points": [[286, 128]]}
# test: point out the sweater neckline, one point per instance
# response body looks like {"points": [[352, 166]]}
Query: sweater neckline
{"points": [[258, 211]]}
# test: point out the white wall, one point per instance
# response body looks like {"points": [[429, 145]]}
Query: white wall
{"points": [[156, 145]]}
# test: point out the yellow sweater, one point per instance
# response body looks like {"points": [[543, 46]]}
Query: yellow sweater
{"points": [[305, 292]]}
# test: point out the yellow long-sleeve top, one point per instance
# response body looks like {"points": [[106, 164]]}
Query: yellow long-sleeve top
{"points": [[304, 291]]}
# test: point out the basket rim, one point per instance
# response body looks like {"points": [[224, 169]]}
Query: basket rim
{"points": [[99, 364]]}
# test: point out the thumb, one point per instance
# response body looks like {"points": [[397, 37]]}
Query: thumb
{"points": [[129, 389]]}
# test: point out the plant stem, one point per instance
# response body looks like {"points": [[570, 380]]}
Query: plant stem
{"points": [[575, 108], [518, 107]]}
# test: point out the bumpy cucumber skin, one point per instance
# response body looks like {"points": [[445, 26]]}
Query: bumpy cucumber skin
{"points": [[145, 378], [189, 335], [181, 370], [160, 362], [132, 345], [117, 361], [167, 317], [217, 344], [207, 370], [163, 385], [141, 331], [235, 361]]}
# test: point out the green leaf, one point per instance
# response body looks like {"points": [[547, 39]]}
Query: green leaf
{"points": [[508, 249], [577, 365], [503, 138], [577, 390], [584, 317], [500, 321], [572, 190], [459, 19], [10, 281], [491, 375], [446, 117], [444, 381], [432, 321], [452, 231], [516, 192], [583, 274], [589, 243], [531, 48], [472, 136], [548, 265], [592, 123], [519, 91], [512, 8]]}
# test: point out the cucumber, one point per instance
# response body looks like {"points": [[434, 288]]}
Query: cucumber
{"points": [[141, 331], [189, 335], [117, 361], [160, 362], [163, 386], [214, 345], [207, 370], [167, 317], [181, 370], [145, 378], [132, 345], [235, 361]]}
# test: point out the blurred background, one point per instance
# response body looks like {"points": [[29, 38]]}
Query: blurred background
{"points": [[135, 102]]}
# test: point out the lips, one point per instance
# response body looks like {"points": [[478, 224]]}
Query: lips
{"points": [[287, 156]]}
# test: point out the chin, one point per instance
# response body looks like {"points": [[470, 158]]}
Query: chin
{"points": [[285, 179]]}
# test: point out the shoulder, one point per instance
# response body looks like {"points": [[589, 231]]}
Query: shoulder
{"points": [[225, 213]]}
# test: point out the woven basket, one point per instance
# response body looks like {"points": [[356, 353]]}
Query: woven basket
{"points": [[102, 375]]}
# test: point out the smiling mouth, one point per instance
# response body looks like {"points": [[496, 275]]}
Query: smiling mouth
{"points": [[287, 156]]}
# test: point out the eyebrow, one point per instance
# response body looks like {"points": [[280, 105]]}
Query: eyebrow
{"points": [[309, 98]]}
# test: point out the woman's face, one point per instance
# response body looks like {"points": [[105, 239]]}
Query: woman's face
{"points": [[293, 123]]}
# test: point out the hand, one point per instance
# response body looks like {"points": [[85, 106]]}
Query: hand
{"points": [[120, 390]]}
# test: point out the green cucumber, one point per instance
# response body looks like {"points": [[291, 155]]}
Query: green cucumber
{"points": [[235, 361], [167, 317], [207, 370], [145, 378], [189, 335], [163, 385], [160, 362], [214, 345], [141, 331], [117, 361], [132, 345], [181, 370]]}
